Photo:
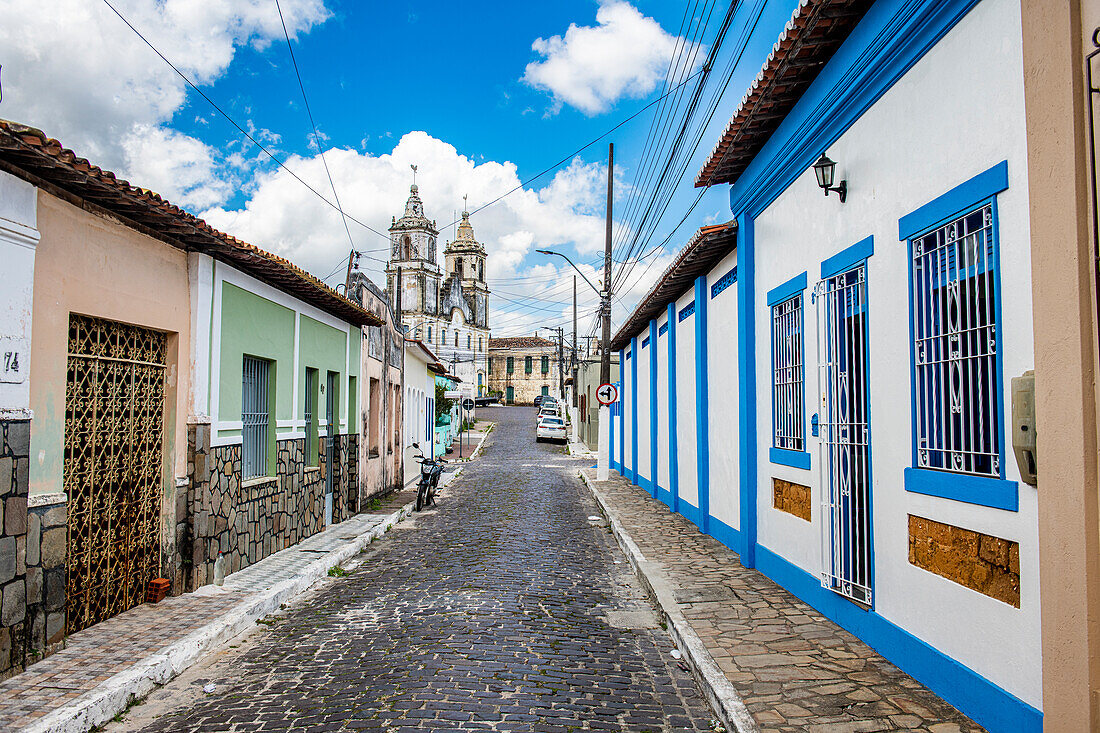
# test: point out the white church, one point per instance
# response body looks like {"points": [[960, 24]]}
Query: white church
{"points": [[446, 309]]}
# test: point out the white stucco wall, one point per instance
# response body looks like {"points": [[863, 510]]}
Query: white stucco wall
{"points": [[663, 423], [687, 454], [645, 470], [908, 149], [18, 240], [725, 447]]}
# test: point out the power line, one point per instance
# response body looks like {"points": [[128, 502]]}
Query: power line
{"points": [[237, 125], [316, 135]]}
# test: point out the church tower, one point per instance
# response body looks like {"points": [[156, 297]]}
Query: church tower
{"points": [[447, 309], [413, 252]]}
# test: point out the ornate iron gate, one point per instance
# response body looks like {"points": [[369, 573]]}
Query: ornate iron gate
{"points": [[114, 423], [845, 434]]}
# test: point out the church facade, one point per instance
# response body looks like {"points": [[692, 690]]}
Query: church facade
{"points": [[446, 308]]}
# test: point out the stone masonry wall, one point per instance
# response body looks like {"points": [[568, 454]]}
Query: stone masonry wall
{"points": [[345, 493], [791, 498], [14, 465], [47, 537], [249, 521], [981, 562]]}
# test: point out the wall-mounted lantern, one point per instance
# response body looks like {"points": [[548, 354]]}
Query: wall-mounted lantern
{"points": [[825, 170]]}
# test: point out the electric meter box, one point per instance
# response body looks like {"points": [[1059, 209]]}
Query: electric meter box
{"points": [[1023, 426]]}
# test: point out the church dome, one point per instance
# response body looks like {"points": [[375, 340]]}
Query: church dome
{"points": [[414, 214], [464, 239]]}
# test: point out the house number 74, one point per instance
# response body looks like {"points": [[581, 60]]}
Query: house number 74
{"points": [[11, 361]]}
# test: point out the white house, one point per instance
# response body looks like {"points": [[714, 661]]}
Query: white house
{"points": [[421, 366], [860, 453]]}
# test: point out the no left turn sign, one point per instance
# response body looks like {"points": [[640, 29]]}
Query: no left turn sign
{"points": [[607, 394]]}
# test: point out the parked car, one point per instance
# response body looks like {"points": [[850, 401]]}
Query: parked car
{"points": [[549, 410], [541, 399], [550, 428]]}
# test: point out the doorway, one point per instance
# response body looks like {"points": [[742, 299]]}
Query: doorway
{"points": [[847, 541]]}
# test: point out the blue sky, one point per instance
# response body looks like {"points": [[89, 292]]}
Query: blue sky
{"points": [[480, 95]]}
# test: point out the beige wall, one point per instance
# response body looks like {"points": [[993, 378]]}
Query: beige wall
{"points": [[92, 265], [1055, 42], [527, 386]]}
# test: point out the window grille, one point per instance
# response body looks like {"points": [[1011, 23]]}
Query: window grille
{"points": [[842, 356], [788, 377], [443, 337], [546, 365], [311, 416], [956, 375], [645, 342], [663, 329], [687, 311], [254, 418], [723, 282], [429, 334], [469, 341], [511, 364]]}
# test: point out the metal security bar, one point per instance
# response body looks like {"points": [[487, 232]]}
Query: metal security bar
{"points": [[845, 434], [114, 454], [311, 416], [955, 370], [254, 418], [788, 375]]}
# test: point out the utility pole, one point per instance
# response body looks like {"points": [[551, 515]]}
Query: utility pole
{"points": [[561, 362], [603, 460], [605, 305], [353, 264], [573, 361]]}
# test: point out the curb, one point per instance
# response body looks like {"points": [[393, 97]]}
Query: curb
{"points": [[114, 695], [720, 693]]}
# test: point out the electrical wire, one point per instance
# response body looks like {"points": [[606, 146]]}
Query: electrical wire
{"points": [[313, 124]]}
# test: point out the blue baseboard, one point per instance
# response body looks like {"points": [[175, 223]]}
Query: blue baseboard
{"points": [[664, 495], [725, 534], [692, 513], [991, 706]]}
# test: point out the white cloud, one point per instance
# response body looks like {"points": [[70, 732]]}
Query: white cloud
{"points": [[591, 67], [81, 75], [285, 217]]}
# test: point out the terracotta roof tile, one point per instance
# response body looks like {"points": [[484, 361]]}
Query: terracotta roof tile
{"points": [[520, 342], [30, 151], [811, 37]]}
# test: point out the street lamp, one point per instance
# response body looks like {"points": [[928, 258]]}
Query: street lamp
{"points": [[605, 311], [825, 170]]}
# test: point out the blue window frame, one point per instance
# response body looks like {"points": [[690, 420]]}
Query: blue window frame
{"points": [[955, 346], [788, 374]]}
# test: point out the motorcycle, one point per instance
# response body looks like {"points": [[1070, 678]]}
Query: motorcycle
{"points": [[430, 471]]}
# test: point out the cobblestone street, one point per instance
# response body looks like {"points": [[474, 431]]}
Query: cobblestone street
{"points": [[509, 607]]}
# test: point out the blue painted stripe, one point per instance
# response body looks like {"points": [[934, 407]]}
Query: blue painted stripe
{"points": [[981, 490], [634, 412], [653, 406], [746, 391], [663, 495], [702, 400], [792, 458], [622, 412], [891, 38], [985, 702], [673, 459], [846, 258], [787, 290], [943, 208]]}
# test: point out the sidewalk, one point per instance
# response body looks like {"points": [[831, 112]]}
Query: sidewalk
{"points": [[766, 660], [104, 668]]}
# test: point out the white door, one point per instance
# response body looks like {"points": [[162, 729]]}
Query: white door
{"points": [[845, 433]]}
